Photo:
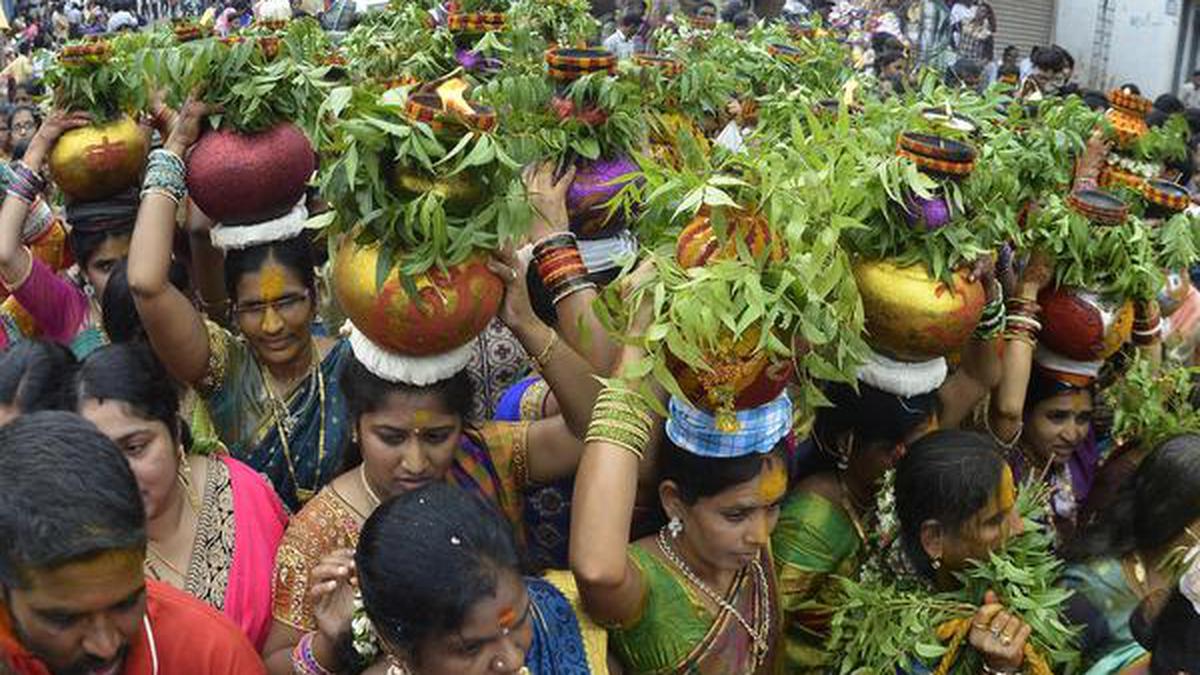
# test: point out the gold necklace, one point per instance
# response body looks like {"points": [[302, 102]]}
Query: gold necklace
{"points": [[760, 637], [281, 416], [362, 475], [158, 556], [851, 510]]}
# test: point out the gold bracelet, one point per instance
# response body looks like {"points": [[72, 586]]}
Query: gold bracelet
{"points": [[540, 359]]}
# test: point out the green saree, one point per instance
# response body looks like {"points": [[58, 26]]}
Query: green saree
{"points": [[814, 542]]}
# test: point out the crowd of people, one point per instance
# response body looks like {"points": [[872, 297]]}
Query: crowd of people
{"points": [[202, 470]]}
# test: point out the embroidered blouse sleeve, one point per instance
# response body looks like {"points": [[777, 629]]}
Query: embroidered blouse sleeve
{"points": [[224, 353]]}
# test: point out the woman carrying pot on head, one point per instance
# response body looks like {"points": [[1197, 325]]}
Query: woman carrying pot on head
{"points": [[443, 592], [1134, 549], [213, 524], [272, 390], [61, 310], [1041, 412], [701, 595], [829, 518], [411, 426]]}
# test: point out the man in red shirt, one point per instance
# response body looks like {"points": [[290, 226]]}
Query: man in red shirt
{"points": [[72, 545]]}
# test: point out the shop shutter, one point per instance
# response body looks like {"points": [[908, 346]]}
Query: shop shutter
{"points": [[1024, 23]]}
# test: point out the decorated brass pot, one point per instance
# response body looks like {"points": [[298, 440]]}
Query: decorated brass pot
{"points": [[98, 161], [451, 307], [1083, 325], [911, 316], [239, 179], [1128, 116], [460, 193], [739, 375]]}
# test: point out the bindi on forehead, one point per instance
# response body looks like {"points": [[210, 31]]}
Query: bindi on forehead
{"points": [[506, 617]]}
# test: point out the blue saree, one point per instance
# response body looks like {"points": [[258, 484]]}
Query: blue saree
{"points": [[300, 453]]}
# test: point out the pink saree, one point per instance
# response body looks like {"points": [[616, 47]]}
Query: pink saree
{"points": [[240, 524]]}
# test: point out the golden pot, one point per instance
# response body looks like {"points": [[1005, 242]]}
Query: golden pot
{"points": [[913, 317], [451, 306], [460, 193], [98, 161]]}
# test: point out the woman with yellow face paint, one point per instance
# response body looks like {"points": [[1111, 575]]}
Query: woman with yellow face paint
{"points": [[956, 503], [271, 388], [700, 596]]}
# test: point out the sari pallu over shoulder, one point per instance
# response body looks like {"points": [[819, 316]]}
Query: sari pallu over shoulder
{"points": [[814, 542], [676, 633]]}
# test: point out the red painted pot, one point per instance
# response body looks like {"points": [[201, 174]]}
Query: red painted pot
{"points": [[450, 307], [1083, 325], [739, 375], [239, 179]]}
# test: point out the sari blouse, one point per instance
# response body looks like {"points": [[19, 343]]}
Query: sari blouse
{"points": [[676, 632], [239, 404], [329, 522], [813, 544]]}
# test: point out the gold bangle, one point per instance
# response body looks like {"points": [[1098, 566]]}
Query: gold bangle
{"points": [[540, 359]]}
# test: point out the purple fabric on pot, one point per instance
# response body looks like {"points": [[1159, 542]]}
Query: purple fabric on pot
{"points": [[932, 214], [590, 192], [474, 61]]}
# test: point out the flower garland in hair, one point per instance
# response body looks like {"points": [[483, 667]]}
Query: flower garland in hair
{"points": [[362, 632]]}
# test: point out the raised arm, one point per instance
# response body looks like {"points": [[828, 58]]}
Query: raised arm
{"points": [[606, 485], [27, 185], [176, 330], [208, 266], [981, 367], [1007, 412], [577, 322]]}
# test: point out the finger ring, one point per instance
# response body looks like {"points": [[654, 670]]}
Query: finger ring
{"points": [[1006, 639], [981, 626], [996, 631]]}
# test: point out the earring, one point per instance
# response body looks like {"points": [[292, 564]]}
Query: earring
{"points": [[675, 527], [936, 563], [184, 474], [396, 668]]}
